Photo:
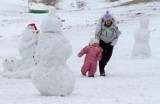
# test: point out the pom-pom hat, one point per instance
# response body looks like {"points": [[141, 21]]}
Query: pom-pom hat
{"points": [[107, 16]]}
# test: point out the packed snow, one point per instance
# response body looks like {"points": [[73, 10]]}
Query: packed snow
{"points": [[38, 6], [129, 80]]}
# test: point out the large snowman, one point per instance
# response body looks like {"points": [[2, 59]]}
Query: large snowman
{"points": [[52, 77], [142, 35]]}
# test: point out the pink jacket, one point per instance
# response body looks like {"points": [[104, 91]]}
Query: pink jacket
{"points": [[93, 53]]}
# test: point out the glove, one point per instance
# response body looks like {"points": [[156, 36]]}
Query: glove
{"points": [[79, 55]]}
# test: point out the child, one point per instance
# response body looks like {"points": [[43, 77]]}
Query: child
{"points": [[93, 53]]}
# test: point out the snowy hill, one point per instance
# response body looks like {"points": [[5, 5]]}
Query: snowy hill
{"points": [[128, 81], [89, 4]]}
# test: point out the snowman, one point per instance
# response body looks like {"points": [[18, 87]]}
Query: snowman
{"points": [[8, 63], [29, 41], [52, 76], [17, 68], [22, 68], [142, 35]]}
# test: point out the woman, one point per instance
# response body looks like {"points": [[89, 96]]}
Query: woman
{"points": [[107, 33]]}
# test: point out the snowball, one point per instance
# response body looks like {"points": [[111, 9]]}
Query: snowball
{"points": [[56, 46], [8, 63], [51, 23], [52, 11], [144, 22], [53, 81]]}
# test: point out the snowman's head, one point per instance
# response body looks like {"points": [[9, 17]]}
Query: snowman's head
{"points": [[8, 63], [51, 23], [144, 22], [28, 35]]}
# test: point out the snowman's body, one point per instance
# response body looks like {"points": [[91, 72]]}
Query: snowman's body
{"points": [[52, 75], [28, 43], [142, 35]]}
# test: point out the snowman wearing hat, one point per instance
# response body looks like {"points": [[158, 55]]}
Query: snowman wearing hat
{"points": [[22, 68], [29, 41]]}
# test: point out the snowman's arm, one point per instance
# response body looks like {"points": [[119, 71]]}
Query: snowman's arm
{"points": [[152, 30]]}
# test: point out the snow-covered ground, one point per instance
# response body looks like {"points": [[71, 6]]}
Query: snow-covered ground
{"points": [[128, 81], [89, 4]]}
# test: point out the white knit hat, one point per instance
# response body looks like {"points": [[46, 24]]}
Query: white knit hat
{"points": [[93, 40]]}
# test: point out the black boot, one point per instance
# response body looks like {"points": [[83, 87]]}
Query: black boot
{"points": [[91, 76], [103, 74], [101, 70]]}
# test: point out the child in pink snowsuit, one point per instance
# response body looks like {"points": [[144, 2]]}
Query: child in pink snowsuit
{"points": [[93, 54]]}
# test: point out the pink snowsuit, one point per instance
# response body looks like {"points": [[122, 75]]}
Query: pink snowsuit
{"points": [[93, 53]]}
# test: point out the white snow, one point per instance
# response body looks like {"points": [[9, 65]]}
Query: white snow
{"points": [[38, 6], [71, 5], [129, 80]]}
